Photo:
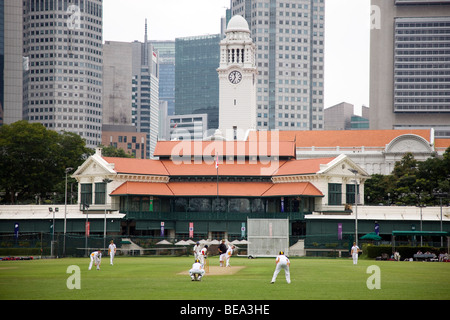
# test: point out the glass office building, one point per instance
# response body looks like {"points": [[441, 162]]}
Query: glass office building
{"points": [[196, 80]]}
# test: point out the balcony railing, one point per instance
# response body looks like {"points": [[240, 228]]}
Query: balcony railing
{"points": [[212, 216]]}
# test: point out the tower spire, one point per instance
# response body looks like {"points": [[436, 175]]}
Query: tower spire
{"points": [[145, 45]]}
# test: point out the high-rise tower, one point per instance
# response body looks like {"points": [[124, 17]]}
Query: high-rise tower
{"points": [[289, 37], [409, 67], [62, 48]]}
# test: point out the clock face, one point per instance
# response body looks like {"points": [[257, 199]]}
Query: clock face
{"points": [[235, 77]]}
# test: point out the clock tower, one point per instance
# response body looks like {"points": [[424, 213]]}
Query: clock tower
{"points": [[237, 81]]}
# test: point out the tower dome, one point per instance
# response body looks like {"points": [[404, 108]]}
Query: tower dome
{"points": [[237, 24]]}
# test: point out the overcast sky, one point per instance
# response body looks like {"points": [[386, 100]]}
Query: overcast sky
{"points": [[347, 28]]}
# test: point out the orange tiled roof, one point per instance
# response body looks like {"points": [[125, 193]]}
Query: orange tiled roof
{"points": [[243, 189], [306, 166], [344, 138], [143, 188], [226, 168], [137, 166], [284, 148], [442, 143], [293, 188]]}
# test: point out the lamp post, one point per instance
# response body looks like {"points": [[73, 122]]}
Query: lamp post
{"points": [[50, 209], [105, 181], [85, 210], [439, 194], [65, 211], [355, 172], [420, 205]]}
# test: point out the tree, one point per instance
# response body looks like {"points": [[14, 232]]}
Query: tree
{"points": [[110, 151], [33, 159], [412, 182]]}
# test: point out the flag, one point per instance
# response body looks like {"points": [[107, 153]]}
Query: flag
{"points": [[191, 229]]}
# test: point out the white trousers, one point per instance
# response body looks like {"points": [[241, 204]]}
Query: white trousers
{"points": [[355, 258], [193, 272], [278, 268], [111, 257], [97, 263]]}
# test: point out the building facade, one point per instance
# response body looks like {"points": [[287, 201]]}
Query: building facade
{"points": [[290, 38], [409, 78], [62, 46]]}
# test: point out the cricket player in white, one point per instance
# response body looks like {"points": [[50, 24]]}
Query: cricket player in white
{"points": [[203, 255], [355, 250], [111, 251], [197, 271], [229, 253], [282, 262], [96, 257], [197, 250]]}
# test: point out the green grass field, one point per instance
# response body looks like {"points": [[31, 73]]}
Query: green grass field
{"points": [[160, 278]]}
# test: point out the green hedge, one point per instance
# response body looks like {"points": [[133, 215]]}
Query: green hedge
{"points": [[372, 252], [18, 252]]}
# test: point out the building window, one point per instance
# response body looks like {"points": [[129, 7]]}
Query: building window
{"points": [[100, 188], [334, 194], [86, 193], [350, 193]]}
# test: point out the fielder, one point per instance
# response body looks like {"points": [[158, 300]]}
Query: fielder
{"points": [[282, 262], [111, 251], [222, 253], [354, 252], [228, 255], [96, 257], [197, 271]]}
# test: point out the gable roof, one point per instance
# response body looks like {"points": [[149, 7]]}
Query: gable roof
{"points": [[305, 166], [137, 166]]}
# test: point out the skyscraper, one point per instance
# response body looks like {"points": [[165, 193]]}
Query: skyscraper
{"points": [[11, 62], [409, 68], [145, 71], [131, 82], [62, 47], [289, 36]]}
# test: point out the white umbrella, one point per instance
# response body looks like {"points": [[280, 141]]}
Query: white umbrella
{"points": [[190, 242], [164, 242], [181, 243], [215, 242]]}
